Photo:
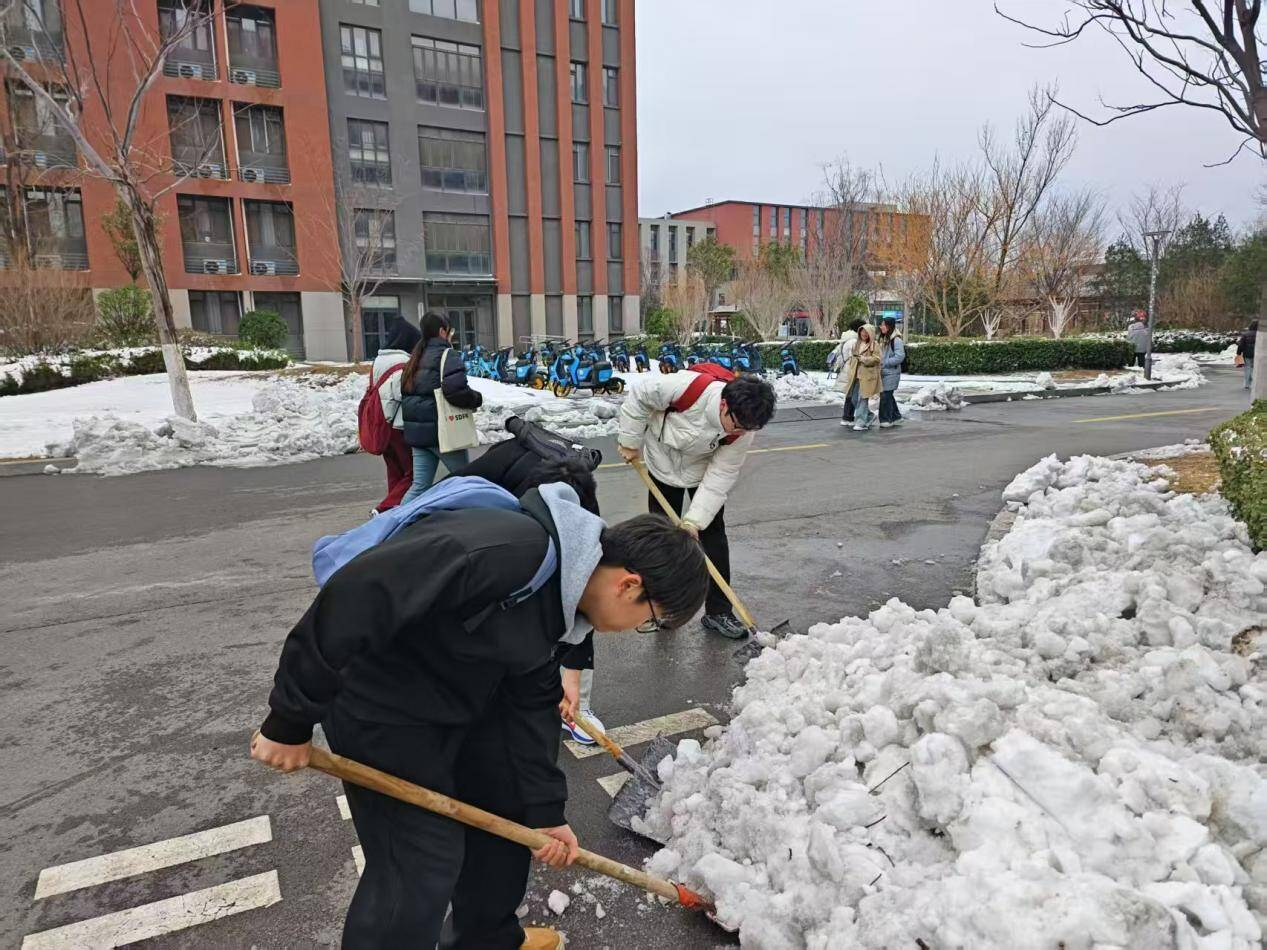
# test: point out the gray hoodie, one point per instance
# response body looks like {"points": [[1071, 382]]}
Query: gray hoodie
{"points": [[580, 550]]}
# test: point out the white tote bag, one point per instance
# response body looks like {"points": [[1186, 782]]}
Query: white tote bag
{"points": [[455, 428]]}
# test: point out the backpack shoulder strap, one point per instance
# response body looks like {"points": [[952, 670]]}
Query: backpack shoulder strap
{"points": [[693, 391], [391, 371], [545, 570]]}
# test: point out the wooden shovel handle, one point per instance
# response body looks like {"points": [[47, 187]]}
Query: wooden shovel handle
{"points": [[712, 568], [598, 736], [371, 778]]}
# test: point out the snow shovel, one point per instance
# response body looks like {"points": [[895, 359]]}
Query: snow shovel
{"points": [[643, 784], [371, 778], [751, 648]]}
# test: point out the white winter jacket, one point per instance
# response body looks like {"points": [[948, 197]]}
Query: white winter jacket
{"points": [[389, 394], [684, 448]]}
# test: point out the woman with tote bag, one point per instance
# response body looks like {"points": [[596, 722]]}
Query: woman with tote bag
{"points": [[439, 406]]}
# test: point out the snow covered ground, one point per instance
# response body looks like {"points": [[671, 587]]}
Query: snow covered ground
{"points": [[1075, 761]]}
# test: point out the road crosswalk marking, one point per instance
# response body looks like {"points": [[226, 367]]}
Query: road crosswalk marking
{"points": [[162, 917], [344, 812], [358, 853], [648, 729], [152, 857], [614, 783]]}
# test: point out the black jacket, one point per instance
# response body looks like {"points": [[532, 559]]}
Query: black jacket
{"points": [[1245, 346], [419, 404], [385, 641]]}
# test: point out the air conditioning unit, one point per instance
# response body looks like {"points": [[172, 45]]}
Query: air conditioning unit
{"points": [[21, 52], [209, 171], [245, 77], [217, 267], [190, 71], [39, 159], [264, 268], [251, 174]]}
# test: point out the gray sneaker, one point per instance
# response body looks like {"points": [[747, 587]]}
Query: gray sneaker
{"points": [[728, 625]]}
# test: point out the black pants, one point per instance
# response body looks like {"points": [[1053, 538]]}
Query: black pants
{"points": [[888, 407], [852, 395], [1139, 359], [417, 863], [712, 539]]}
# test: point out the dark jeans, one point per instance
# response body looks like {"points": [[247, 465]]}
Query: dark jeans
{"points": [[850, 398], [418, 863], [1139, 359], [888, 407], [712, 539]]}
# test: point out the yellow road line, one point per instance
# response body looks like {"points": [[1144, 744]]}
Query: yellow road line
{"points": [[1148, 415], [777, 448]]}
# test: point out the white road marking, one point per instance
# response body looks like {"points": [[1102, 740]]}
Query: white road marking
{"points": [[344, 812], [647, 730], [152, 857], [358, 858], [161, 917], [614, 783]]}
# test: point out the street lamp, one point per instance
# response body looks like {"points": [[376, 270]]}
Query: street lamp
{"points": [[1154, 239]]}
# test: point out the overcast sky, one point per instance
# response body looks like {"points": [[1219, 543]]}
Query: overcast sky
{"points": [[746, 99]]}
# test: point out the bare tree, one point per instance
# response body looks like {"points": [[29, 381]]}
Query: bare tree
{"points": [[1156, 208], [1205, 54], [111, 75], [687, 299], [763, 295], [1068, 240]]}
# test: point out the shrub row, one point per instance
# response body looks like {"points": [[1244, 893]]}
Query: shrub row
{"points": [[970, 358], [80, 368], [1240, 444]]}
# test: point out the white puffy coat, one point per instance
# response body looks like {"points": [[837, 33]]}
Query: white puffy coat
{"points": [[389, 392], [684, 448]]}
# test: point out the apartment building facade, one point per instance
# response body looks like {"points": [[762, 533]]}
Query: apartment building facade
{"points": [[234, 132], [664, 243], [486, 156]]}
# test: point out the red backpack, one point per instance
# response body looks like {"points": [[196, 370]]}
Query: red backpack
{"points": [[372, 427], [706, 375]]}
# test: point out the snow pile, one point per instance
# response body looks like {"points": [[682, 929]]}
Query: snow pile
{"points": [[574, 417], [1076, 761], [124, 357], [805, 388], [1178, 450], [1044, 381], [937, 396]]}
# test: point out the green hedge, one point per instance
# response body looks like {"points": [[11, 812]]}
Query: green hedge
{"points": [[90, 367], [970, 358], [1240, 444]]}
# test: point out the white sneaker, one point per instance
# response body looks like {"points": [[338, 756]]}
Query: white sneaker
{"points": [[578, 734], [374, 512], [861, 428], [886, 425], [845, 422]]}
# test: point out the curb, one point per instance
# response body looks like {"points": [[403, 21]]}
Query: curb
{"points": [[971, 398], [1000, 525], [34, 466]]}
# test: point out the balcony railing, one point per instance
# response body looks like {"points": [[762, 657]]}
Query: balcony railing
{"points": [[47, 151], [273, 261], [182, 63], [27, 44], [251, 71], [263, 167], [64, 255], [210, 257]]}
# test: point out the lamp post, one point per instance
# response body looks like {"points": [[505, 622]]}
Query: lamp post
{"points": [[1154, 239]]}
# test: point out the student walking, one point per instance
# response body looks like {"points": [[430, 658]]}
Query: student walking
{"points": [[861, 379], [693, 430], [1245, 352], [434, 656], [432, 365], [839, 361], [1139, 334], [397, 457], [892, 353]]}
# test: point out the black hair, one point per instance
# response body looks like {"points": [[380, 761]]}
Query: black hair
{"points": [[403, 335], [750, 401], [571, 471], [1253, 325], [432, 324], [857, 323], [667, 558], [891, 324]]}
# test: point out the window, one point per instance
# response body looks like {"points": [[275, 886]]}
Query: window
{"points": [[467, 10], [655, 242], [37, 129], [193, 55], [361, 52], [365, 3], [448, 74], [613, 164], [712, 234], [580, 161], [36, 26], [375, 233], [197, 141], [288, 307], [672, 244], [787, 224], [452, 160], [615, 243], [252, 38], [583, 252], [580, 91], [457, 243], [576, 9], [690, 238], [611, 86], [610, 17], [756, 221], [270, 237], [215, 311], [615, 317], [369, 154], [206, 233], [261, 143], [55, 223], [585, 317], [774, 222]]}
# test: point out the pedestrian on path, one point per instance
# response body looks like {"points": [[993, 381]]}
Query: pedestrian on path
{"points": [[1139, 334], [839, 360], [861, 379], [403, 338], [422, 656], [421, 380], [1245, 352], [892, 353], [694, 438]]}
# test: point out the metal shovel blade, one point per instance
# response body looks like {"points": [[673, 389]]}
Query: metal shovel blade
{"points": [[759, 641], [635, 795]]}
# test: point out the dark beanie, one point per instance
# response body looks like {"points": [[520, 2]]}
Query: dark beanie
{"points": [[404, 336]]}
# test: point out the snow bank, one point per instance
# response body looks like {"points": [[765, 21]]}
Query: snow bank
{"points": [[1076, 761], [936, 396], [806, 387]]}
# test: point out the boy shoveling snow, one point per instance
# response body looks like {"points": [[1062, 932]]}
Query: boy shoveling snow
{"points": [[434, 656]]}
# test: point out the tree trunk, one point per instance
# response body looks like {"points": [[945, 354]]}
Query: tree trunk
{"points": [[145, 229], [358, 337], [1260, 351]]}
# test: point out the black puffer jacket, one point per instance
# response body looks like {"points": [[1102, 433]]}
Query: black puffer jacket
{"points": [[420, 402]]}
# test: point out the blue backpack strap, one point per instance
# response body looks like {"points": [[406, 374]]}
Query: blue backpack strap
{"points": [[545, 570]]}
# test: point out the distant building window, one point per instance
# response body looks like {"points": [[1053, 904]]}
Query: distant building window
{"points": [[576, 9], [672, 244], [615, 242], [613, 164], [655, 241], [374, 231], [457, 243], [448, 74], [774, 222], [468, 10], [585, 317], [610, 15], [711, 235], [580, 87], [580, 161], [366, 3], [453, 160], [615, 317], [690, 238], [611, 86], [361, 52], [756, 221], [787, 223], [369, 153], [217, 312], [583, 252]]}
